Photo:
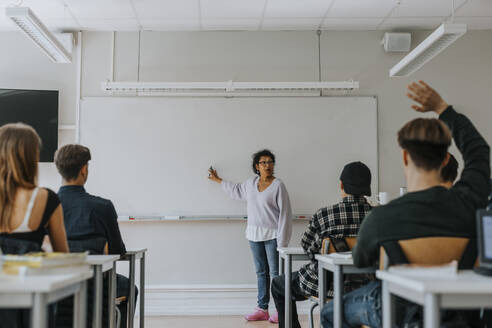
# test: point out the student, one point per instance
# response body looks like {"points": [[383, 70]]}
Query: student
{"points": [[88, 216], [428, 209], [449, 172], [338, 221], [269, 223], [27, 212]]}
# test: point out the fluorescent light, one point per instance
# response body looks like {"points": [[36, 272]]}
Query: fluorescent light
{"points": [[35, 30], [227, 88], [439, 40]]}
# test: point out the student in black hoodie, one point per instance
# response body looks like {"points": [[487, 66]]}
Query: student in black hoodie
{"points": [[428, 209]]}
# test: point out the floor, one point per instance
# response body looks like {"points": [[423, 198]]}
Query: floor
{"points": [[213, 322]]}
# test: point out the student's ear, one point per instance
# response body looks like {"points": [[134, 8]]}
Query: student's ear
{"points": [[405, 156], [84, 171], [446, 160], [257, 168], [341, 185]]}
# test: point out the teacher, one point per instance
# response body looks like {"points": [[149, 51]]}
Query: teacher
{"points": [[269, 223]]}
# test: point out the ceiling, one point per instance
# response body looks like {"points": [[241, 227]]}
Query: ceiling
{"points": [[252, 15]]}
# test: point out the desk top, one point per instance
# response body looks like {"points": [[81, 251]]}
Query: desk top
{"points": [[291, 250], [334, 260], [465, 282], [136, 251], [102, 259], [41, 283]]}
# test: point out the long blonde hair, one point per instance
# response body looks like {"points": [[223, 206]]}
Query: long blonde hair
{"points": [[19, 156]]}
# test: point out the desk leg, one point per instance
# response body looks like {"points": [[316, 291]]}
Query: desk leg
{"points": [[97, 307], [432, 314], [321, 289], [80, 306], [281, 263], [112, 296], [288, 298], [338, 297], [142, 291], [39, 317], [388, 307], [131, 302]]}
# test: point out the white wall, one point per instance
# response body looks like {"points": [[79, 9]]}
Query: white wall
{"points": [[24, 66], [190, 252], [463, 73]]}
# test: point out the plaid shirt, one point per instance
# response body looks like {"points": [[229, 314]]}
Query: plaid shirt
{"points": [[337, 221]]}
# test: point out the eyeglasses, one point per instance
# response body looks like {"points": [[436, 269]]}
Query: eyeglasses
{"points": [[265, 163]]}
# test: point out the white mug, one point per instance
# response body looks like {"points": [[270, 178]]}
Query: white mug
{"points": [[403, 191], [383, 198]]}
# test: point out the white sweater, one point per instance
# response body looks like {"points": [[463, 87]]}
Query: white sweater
{"points": [[269, 211]]}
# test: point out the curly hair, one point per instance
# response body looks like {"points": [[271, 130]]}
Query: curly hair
{"points": [[256, 158]]}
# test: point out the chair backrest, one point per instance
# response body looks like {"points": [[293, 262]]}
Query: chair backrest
{"points": [[328, 248], [95, 246], [423, 251], [18, 246]]}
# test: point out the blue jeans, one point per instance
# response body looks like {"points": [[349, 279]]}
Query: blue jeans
{"points": [[265, 256], [360, 307]]}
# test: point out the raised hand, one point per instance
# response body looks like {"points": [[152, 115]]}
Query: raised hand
{"points": [[428, 98]]}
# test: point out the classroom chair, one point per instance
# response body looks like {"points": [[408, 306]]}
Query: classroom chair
{"points": [[327, 247], [427, 251]]}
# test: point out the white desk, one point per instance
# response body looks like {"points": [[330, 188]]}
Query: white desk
{"points": [[339, 267], [466, 290], [286, 256], [131, 256], [37, 292], [101, 264]]}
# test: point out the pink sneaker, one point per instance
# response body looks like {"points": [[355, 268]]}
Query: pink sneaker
{"points": [[258, 315], [273, 318]]}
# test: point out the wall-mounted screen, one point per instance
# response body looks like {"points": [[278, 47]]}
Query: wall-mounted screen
{"points": [[39, 109]]}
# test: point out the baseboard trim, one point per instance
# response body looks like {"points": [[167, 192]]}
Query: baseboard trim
{"points": [[163, 300]]}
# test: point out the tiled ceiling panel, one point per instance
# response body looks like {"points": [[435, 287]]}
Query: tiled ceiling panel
{"points": [[167, 9], [361, 8], [424, 8], [296, 8], [476, 8], [232, 8], [196, 15], [101, 9]]}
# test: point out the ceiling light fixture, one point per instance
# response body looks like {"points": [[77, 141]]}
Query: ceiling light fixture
{"points": [[440, 39], [35, 30]]}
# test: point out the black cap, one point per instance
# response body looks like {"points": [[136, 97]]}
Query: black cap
{"points": [[356, 179]]}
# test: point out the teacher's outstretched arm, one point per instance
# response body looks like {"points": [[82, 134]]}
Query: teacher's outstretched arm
{"points": [[234, 190]]}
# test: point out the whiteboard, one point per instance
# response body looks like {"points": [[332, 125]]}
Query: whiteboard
{"points": [[150, 156]]}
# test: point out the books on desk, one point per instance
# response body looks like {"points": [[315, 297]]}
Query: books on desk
{"points": [[45, 263]]}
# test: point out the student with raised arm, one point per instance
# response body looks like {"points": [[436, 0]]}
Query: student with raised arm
{"points": [[428, 209], [269, 223]]}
